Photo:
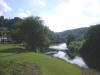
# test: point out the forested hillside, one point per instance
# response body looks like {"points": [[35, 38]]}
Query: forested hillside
{"points": [[78, 32]]}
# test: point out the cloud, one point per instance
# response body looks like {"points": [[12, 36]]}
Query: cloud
{"points": [[20, 9], [38, 2], [1, 13], [4, 7], [23, 14], [28, 12], [73, 14], [41, 2]]}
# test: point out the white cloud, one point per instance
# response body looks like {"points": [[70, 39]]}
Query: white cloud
{"points": [[73, 14], [38, 2], [1, 13], [42, 3], [28, 12], [4, 7], [20, 9], [23, 14]]}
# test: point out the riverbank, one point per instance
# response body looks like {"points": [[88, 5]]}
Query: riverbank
{"points": [[77, 61], [85, 71], [28, 62]]}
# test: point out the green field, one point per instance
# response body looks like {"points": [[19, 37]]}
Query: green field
{"points": [[22, 63]]}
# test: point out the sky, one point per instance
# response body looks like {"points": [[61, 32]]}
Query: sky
{"points": [[58, 15]]}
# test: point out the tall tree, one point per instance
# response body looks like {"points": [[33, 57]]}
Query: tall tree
{"points": [[1, 21], [33, 32], [90, 50]]}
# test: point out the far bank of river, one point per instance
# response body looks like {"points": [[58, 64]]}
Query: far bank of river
{"points": [[60, 52]]}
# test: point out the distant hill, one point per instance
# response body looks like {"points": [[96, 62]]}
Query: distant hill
{"points": [[78, 32]]}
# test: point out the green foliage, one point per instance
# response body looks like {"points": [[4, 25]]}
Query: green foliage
{"points": [[1, 21], [70, 38], [8, 23], [90, 50], [74, 47], [32, 31], [54, 37]]}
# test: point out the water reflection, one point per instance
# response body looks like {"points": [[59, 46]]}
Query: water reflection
{"points": [[59, 47], [63, 55]]}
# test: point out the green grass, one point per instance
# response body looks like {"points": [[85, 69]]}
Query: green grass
{"points": [[21, 63]]}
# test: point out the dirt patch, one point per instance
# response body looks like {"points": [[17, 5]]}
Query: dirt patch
{"points": [[35, 70], [30, 69], [20, 68], [90, 72]]}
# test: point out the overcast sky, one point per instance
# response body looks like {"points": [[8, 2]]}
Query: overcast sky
{"points": [[58, 15]]}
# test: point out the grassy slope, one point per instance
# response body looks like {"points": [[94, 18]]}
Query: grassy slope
{"points": [[18, 64]]}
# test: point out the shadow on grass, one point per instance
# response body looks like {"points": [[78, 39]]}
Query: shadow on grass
{"points": [[15, 50], [11, 50]]}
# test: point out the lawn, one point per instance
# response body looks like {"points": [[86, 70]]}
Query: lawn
{"points": [[21, 64]]}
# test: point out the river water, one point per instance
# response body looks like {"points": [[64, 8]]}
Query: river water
{"points": [[60, 52]]}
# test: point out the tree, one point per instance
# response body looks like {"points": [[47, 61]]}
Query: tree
{"points": [[1, 21], [74, 48], [9, 23], [90, 50], [54, 37], [71, 37], [32, 31]]}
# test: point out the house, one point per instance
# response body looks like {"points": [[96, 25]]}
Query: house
{"points": [[4, 35]]}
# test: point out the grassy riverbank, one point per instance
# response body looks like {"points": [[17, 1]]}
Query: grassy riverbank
{"points": [[23, 63]]}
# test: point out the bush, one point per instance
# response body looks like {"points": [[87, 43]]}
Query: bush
{"points": [[71, 37]]}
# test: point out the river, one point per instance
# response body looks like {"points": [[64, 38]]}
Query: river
{"points": [[60, 52]]}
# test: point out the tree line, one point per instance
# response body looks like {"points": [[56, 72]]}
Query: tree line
{"points": [[30, 31]]}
